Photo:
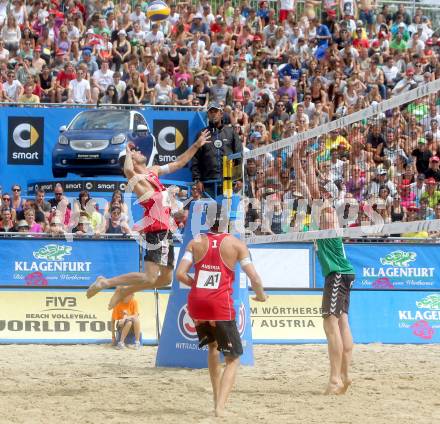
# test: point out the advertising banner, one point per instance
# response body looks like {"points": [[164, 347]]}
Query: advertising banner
{"points": [[395, 317], [33, 135], [392, 266], [37, 262], [46, 316], [285, 317]]}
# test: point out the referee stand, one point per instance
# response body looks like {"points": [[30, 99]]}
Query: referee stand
{"points": [[178, 343]]}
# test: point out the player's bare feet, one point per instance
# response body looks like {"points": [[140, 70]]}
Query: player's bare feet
{"points": [[118, 295], [97, 286], [347, 383], [220, 412], [334, 388]]}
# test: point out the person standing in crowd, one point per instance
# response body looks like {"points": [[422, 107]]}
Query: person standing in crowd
{"points": [[210, 304], [207, 164]]}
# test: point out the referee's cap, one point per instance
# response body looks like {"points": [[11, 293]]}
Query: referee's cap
{"points": [[215, 105]]}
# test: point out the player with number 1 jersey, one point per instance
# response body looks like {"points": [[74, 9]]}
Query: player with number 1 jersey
{"points": [[210, 303], [211, 296]]}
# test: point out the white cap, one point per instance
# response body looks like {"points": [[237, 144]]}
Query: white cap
{"points": [[198, 16], [22, 223]]}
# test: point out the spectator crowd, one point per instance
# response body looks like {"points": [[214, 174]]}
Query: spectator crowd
{"points": [[274, 72], [60, 215]]}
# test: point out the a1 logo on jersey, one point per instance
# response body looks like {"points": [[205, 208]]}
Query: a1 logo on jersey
{"points": [[186, 324], [208, 280]]}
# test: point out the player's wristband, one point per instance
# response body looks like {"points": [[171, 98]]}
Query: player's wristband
{"points": [[165, 169]]}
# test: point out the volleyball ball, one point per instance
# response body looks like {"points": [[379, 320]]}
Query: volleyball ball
{"points": [[158, 11]]}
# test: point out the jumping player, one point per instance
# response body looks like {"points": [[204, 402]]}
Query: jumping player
{"points": [[153, 197], [210, 303], [338, 274]]}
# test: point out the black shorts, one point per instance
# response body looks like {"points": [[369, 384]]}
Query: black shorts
{"points": [[160, 248], [225, 333], [336, 296]]}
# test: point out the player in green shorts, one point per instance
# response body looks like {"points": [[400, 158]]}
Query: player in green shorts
{"points": [[339, 277], [337, 270]]}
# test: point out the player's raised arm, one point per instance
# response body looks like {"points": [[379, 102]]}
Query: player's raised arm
{"points": [[185, 157], [128, 162]]}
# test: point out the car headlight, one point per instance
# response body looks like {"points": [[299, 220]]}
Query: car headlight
{"points": [[118, 139], [62, 139]]}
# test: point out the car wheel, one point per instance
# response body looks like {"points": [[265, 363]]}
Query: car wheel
{"points": [[59, 173]]}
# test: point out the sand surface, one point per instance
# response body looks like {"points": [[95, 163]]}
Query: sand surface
{"points": [[97, 384]]}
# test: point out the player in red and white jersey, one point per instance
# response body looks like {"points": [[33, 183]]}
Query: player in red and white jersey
{"points": [[211, 297], [210, 303], [156, 223]]}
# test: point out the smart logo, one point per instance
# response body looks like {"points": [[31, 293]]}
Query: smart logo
{"points": [[25, 140], [186, 324], [172, 139]]}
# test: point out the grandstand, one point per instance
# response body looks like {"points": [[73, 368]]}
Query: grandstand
{"points": [[316, 110]]}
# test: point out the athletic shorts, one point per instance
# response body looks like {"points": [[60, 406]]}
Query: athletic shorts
{"points": [[160, 248], [225, 333], [336, 296]]}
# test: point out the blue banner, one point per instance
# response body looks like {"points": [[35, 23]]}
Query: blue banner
{"points": [[178, 344], [395, 317], [392, 266], [37, 262], [30, 135]]}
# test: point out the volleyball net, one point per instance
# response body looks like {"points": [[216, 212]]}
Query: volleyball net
{"points": [[375, 169]]}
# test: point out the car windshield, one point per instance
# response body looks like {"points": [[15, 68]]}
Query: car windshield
{"points": [[105, 120]]}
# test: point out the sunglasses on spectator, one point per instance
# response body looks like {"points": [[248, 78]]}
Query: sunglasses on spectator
{"points": [[6, 199], [58, 194], [16, 189]]}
